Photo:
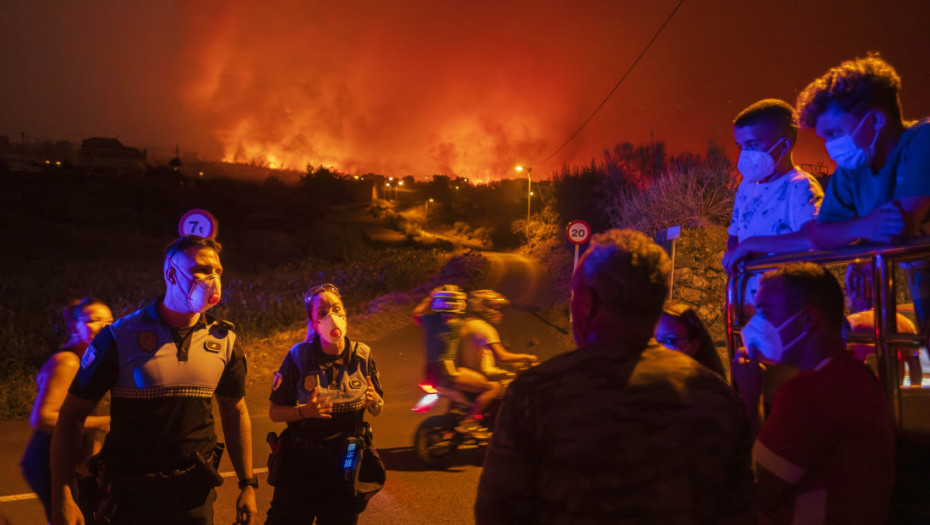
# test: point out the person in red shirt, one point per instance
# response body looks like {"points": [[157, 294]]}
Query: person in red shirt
{"points": [[826, 452]]}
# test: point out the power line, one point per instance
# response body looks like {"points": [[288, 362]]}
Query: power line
{"points": [[612, 91]]}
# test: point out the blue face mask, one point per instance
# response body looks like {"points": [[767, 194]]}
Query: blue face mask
{"points": [[846, 154]]}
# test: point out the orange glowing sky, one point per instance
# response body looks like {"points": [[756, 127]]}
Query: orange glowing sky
{"points": [[417, 87]]}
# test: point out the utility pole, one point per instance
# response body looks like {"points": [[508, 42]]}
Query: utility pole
{"points": [[529, 194]]}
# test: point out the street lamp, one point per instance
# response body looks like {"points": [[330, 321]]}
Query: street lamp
{"points": [[529, 194], [427, 209]]}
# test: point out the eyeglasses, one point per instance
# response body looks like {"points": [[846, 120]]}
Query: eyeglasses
{"points": [[317, 290], [675, 343]]}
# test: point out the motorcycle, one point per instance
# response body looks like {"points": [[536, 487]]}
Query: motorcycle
{"points": [[436, 440]]}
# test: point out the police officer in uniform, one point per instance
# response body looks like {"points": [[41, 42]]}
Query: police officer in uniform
{"points": [[322, 390], [162, 364]]}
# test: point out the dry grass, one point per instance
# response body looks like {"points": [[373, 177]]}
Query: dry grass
{"points": [[695, 196]]}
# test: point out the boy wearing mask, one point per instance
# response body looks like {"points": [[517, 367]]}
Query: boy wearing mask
{"points": [[775, 205], [881, 187], [776, 202]]}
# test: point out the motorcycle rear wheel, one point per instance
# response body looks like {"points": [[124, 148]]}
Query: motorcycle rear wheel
{"points": [[436, 440]]}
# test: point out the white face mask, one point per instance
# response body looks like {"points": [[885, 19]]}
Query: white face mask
{"points": [[846, 154], [762, 338], [757, 165], [332, 328], [202, 294]]}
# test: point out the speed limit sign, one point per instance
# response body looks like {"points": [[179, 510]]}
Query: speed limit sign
{"points": [[578, 232]]}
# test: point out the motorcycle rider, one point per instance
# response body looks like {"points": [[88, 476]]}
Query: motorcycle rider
{"points": [[479, 347], [440, 314]]}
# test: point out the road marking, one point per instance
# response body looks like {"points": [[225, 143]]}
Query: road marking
{"points": [[18, 497], [32, 495]]}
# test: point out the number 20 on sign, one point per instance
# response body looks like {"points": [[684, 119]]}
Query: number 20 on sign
{"points": [[578, 232]]}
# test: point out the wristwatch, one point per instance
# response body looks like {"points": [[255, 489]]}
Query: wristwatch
{"points": [[250, 482]]}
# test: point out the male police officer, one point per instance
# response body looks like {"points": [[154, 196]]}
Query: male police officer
{"points": [[162, 364]]}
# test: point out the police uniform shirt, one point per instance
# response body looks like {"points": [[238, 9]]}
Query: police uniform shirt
{"points": [[342, 378], [161, 391]]}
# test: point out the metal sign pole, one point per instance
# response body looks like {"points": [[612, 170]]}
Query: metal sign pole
{"points": [[672, 234]]}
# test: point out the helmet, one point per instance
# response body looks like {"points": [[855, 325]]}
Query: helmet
{"points": [[486, 302], [449, 299]]}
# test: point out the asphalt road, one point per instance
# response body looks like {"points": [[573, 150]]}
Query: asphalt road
{"points": [[412, 494]]}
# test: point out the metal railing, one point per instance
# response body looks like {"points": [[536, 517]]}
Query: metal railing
{"points": [[911, 407]]}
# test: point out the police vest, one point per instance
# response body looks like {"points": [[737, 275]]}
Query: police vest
{"points": [[151, 365], [347, 391]]}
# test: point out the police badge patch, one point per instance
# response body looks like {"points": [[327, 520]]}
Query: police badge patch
{"points": [[310, 381], [89, 355], [147, 340], [276, 382]]}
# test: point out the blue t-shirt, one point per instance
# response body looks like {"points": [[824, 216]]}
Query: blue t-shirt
{"points": [[906, 173]]}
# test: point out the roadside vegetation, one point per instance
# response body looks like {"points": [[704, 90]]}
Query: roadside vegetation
{"points": [[644, 188]]}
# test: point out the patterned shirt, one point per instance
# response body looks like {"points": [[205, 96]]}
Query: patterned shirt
{"points": [[613, 434], [777, 207], [773, 208]]}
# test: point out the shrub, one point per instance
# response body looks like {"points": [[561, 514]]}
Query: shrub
{"points": [[579, 195], [543, 227], [695, 195]]}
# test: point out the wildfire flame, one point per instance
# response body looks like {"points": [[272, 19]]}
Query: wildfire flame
{"points": [[359, 94]]}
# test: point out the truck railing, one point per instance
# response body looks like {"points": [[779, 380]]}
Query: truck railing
{"points": [[911, 405]]}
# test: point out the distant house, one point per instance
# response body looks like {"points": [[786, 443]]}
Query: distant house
{"points": [[110, 155]]}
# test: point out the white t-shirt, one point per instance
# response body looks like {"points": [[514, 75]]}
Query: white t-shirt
{"points": [[774, 208], [777, 207], [475, 338]]}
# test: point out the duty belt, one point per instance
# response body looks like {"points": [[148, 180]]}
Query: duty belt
{"points": [[185, 466]]}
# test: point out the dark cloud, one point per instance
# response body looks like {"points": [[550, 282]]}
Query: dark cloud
{"points": [[416, 87]]}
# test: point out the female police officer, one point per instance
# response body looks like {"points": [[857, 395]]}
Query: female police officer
{"points": [[322, 390]]}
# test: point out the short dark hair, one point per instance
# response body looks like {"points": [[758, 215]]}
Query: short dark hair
{"points": [[628, 272], [771, 110], [809, 283], [182, 244], [855, 86], [75, 308]]}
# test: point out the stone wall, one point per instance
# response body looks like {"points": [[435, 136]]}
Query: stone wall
{"points": [[699, 277]]}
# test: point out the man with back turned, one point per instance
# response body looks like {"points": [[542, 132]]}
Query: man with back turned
{"points": [[621, 430]]}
